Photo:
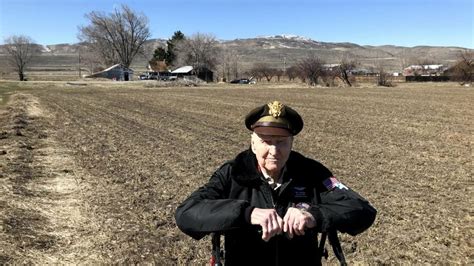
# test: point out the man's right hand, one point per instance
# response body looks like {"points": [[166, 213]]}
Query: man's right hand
{"points": [[269, 220]]}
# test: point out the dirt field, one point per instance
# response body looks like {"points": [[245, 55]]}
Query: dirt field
{"points": [[92, 173]]}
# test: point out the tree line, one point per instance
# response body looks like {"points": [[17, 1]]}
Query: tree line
{"points": [[118, 37]]}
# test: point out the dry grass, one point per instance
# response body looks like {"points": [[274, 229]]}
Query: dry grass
{"points": [[137, 152]]}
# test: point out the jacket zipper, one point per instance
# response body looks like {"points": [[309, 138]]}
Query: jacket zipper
{"points": [[269, 194]]}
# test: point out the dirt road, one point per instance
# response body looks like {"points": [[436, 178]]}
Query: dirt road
{"points": [[94, 173], [45, 215]]}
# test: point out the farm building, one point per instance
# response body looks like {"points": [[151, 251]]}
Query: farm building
{"points": [[183, 71], [363, 72], [424, 70], [330, 67], [115, 72], [203, 73]]}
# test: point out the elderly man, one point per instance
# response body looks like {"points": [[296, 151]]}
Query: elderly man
{"points": [[270, 202]]}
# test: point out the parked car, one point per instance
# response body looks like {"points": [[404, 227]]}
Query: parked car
{"points": [[153, 75], [168, 78], [148, 75], [242, 81]]}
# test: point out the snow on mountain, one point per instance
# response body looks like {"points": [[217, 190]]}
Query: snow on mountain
{"points": [[287, 37], [45, 49]]}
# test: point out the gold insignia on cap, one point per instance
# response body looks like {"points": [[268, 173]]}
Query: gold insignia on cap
{"points": [[275, 108]]}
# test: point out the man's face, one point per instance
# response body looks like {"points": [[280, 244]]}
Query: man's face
{"points": [[272, 152]]}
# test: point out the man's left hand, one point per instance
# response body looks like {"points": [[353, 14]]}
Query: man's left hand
{"points": [[296, 221]]}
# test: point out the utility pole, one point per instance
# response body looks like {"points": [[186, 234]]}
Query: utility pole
{"points": [[79, 61]]}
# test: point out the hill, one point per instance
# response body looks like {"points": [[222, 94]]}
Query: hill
{"points": [[279, 51]]}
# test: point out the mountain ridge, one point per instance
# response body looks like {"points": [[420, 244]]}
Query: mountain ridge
{"points": [[283, 50]]}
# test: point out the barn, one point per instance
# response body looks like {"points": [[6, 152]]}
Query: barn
{"points": [[203, 73], [115, 72], [183, 71]]}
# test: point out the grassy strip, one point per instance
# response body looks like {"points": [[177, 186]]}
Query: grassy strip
{"points": [[6, 89]]}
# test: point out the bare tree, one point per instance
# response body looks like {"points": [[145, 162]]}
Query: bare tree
{"points": [[292, 72], [278, 73], [21, 51], [311, 69], [463, 71], [329, 75], [117, 37], [383, 78], [344, 69], [200, 51], [235, 65], [89, 59], [229, 64], [263, 70], [255, 73], [404, 58]]}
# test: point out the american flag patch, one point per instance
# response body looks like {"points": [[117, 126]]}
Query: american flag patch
{"points": [[332, 182]]}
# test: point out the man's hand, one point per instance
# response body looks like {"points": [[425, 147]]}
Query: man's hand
{"points": [[269, 220], [296, 221]]}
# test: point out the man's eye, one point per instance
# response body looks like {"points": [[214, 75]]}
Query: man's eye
{"points": [[281, 142]]}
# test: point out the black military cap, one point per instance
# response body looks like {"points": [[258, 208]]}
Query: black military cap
{"points": [[275, 115]]}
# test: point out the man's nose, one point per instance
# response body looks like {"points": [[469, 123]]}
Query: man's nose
{"points": [[273, 149]]}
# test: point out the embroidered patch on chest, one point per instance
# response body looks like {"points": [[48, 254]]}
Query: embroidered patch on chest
{"points": [[332, 182], [299, 192]]}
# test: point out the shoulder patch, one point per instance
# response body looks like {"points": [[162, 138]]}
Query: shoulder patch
{"points": [[332, 182]]}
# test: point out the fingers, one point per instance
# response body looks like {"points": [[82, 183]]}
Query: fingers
{"points": [[286, 226], [273, 226], [269, 220], [267, 228], [299, 228], [296, 221], [290, 222], [291, 225]]}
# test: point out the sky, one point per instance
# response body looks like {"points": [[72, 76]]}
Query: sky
{"points": [[364, 22]]}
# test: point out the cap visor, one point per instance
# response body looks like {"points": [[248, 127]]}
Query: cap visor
{"points": [[272, 131]]}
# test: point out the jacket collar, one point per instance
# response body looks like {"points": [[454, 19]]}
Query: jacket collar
{"points": [[244, 169]]}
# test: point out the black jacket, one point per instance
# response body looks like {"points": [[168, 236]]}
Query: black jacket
{"points": [[224, 205]]}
